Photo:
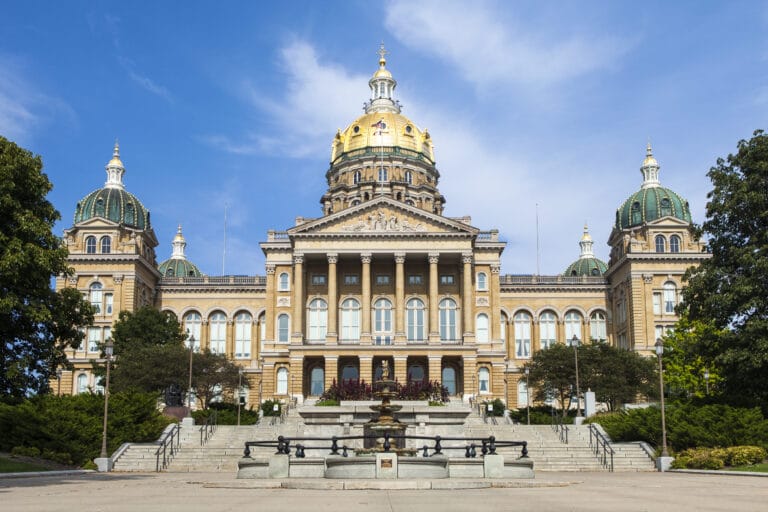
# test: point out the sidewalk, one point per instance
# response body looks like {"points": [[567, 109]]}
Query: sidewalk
{"points": [[177, 492]]}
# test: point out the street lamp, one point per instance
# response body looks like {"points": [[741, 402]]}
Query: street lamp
{"points": [[659, 351], [575, 344], [527, 395], [108, 354], [706, 381], [58, 384], [239, 393], [189, 386]]}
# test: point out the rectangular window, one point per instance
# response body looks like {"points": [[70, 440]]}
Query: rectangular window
{"points": [[446, 279], [94, 338], [108, 299], [107, 333], [243, 339], [414, 279], [656, 303], [318, 279], [382, 279], [659, 332], [351, 279]]}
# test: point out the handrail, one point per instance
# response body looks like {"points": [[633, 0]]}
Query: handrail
{"points": [[169, 445], [487, 445], [209, 427], [559, 427], [600, 441]]}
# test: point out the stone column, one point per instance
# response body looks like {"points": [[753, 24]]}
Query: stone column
{"points": [[365, 335], [229, 339], [333, 306], [205, 335], [401, 369], [269, 310], [296, 379], [331, 369], [467, 294], [366, 368], [399, 298], [435, 372], [470, 376], [434, 327], [495, 313], [297, 322]]}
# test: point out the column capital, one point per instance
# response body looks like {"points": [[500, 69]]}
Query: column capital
{"points": [[399, 257], [333, 257], [270, 269], [433, 257], [466, 257], [365, 257], [495, 268], [298, 258]]}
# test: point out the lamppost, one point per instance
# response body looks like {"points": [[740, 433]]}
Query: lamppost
{"points": [[706, 381], [239, 393], [527, 395], [108, 354], [659, 351], [575, 344], [58, 383], [189, 385]]}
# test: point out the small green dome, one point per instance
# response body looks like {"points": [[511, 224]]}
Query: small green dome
{"points": [[651, 203], [586, 267], [115, 204], [176, 267]]}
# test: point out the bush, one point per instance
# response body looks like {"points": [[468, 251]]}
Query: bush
{"points": [[717, 458], [226, 414], [497, 407], [268, 408], [744, 455], [25, 451], [354, 389], [327, 403], [540, 415]]}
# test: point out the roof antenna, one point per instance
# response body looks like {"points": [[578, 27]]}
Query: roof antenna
{"points": [[224, 252]]}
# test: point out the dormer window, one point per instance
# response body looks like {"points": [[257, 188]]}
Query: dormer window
{"points": [[408, 177], [356, 177], [666, 207], [383, 174]]}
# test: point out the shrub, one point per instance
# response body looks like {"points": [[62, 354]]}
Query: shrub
{"points": [[354, 389], [497, 407], [744, 455], [25, 451], [540, 415], [699, 458], [268, 408], [327, 403], [226, 414]]}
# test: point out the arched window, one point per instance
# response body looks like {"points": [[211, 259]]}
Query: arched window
{"points": [[283, 282], [82, 383], [547, 330], [637, 216], [192, 323], [408, 177], [481, 328], [573, 327], [356, 177], [106, 245], [96, 297], [670, 297], [217, 327], [382, 322], [416, 373], [674, 243], [262, 327], [90, 245], [484, 380], [597, 330], [317, 381], [282, 381], [661, 243], [317, 319], [482, 281], [415, 320], [243, 323], [383, 174], [522, 394], [503, 327], [522, 335], [350, 320], [449, 379], [447, 308], [282, 327]]}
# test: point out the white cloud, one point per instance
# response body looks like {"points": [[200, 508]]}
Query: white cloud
{"points": [[144, 81], [490, 48]]}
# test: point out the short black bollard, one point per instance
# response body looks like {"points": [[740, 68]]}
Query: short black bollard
{"points": [[387, 444], [484, 450], [300, 451], [492, 445], [334, 445], [425, 453], [438, 447], [524, 452], [472, 451], [344, 451], [247, 451]]}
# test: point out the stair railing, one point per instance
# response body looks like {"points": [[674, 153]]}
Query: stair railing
{"points": [[169, 445], [208, 428], [560, 428], [601, 446]]}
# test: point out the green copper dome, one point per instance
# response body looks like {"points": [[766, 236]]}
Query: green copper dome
{"points": [[586, 267], [113, 202], [652, 201], [174, 267]]}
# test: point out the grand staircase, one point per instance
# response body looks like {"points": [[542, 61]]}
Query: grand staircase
{"points": [[224, 447]]}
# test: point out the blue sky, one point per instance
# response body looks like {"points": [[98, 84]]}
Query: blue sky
{"points": [[236, 103]]}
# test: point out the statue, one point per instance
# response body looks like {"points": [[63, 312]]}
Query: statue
{"points": [[385, 369]]}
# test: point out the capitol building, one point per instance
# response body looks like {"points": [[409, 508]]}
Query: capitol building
{"points": [[383, 275]]}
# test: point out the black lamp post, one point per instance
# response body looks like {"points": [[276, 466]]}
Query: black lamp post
{"points": [[239, 393], [527, 395], [575, 344], [108, 355], [659, 351]]}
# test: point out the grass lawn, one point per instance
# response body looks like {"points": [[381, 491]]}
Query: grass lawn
{"points": [[9, 465], [754, 468]]}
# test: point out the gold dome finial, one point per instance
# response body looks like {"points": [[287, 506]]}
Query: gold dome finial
{"points": [[382, 53], [586, 235], [115, 169], [116, 155]]}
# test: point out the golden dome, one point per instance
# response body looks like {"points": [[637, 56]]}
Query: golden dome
{"points": [[115, 162], [382, 129], [649, 159]]}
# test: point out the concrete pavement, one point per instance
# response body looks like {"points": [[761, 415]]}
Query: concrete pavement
{"points": [[594, 492]]}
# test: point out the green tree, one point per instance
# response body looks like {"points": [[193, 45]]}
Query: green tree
{"points": [[145, 327], [731, 288], [36, 322], [214, 377], [553, 374], [684, 364]]}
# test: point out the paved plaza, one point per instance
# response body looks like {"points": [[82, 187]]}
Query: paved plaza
{"points": [[560, 492]]}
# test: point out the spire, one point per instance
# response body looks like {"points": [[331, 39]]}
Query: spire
{"points": [[178, 246], [382, 87], [650, 169], [115, 169], [586, 244]]}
